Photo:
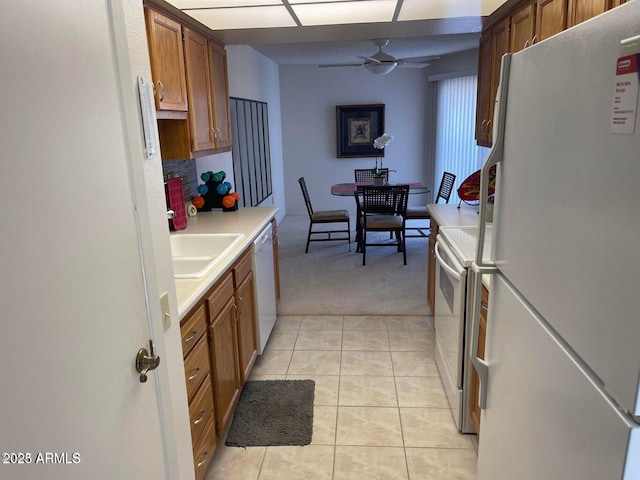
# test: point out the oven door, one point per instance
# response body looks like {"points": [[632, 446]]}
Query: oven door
{"points": [[451, 284]]}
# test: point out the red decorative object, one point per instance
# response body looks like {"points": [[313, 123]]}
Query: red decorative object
{"points": [[469, 190], [175, 201]]}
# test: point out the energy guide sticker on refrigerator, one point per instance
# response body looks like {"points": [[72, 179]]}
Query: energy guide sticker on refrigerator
{"points": [[625, 97]]}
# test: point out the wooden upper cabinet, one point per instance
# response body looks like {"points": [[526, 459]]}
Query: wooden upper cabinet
{"points": [[484, 89], [551, 18], [581, 10], [196, 54], [523, 27], [494, 43], [500, 45], [167, 61], [222, 124]]}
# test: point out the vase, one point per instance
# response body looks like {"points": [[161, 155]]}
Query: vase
{"points": [[378, 181]]}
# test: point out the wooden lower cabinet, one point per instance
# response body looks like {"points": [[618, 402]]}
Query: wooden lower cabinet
{"points": [[223, 338], [475, 381], [219, 344], [246, 326]]}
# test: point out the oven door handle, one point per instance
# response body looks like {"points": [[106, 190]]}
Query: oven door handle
{"points": [[457, 275]]}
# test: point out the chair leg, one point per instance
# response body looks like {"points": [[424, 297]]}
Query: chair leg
{"points": [[308, 238], [404, 246], [349, 231], [363, 246]]}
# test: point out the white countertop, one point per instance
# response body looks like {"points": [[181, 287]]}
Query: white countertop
{"points": [[247, 221], [450, 215]]}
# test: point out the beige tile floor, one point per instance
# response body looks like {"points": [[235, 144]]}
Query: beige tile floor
{"points": [[380, 410]]}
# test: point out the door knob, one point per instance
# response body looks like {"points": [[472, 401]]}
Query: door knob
{"points": [[146, 361]]}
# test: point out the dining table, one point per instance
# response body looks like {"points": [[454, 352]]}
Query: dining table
{"points": [[350, 190]]}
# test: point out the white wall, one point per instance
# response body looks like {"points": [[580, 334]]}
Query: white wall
{"points": [[309, 98], [255, 77]]}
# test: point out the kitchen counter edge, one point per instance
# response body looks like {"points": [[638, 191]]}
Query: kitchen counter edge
{"points": [[248, 221]]}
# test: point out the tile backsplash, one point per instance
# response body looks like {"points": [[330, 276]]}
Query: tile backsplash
{"points": [[185, 169]]}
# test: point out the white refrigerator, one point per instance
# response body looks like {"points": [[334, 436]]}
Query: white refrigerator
{"points": [[560, 378]]}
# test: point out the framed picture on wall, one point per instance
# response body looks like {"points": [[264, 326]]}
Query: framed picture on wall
{"points": [[357, 127]]}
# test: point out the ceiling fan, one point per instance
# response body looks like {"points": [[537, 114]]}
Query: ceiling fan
{"points": [[382, 63]]}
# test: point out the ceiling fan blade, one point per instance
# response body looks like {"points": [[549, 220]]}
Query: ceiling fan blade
{"points": [[370, 59], [413, 65], [419, 59], [341, 65]]}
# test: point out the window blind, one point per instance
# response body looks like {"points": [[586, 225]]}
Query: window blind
{"points": [[456, 150]]}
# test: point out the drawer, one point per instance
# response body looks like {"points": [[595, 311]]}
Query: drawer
{"points": [[196, 366], [204, 449], [222, 292], [201, 409], [242, 267], [192, 329]]}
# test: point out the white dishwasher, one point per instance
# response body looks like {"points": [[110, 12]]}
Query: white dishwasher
{"points": [[264, 278]]}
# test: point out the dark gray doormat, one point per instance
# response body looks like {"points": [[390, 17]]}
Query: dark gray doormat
{"points": [[273, 412]]}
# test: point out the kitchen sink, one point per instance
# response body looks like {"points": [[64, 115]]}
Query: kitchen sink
{"points": [[194, 255]]}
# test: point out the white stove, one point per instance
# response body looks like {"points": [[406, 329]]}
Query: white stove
{"points": [[455, 251]]}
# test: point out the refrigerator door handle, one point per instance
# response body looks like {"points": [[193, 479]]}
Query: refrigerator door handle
{"points": [[495, 155], [481, 366]]}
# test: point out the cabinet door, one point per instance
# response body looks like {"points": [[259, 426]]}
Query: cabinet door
{"points": [[551, 18], [581, 10], [224, 363], [222, 125], [500, 46], [484, 89], [199, 91], [167, 62], [475, 381], [246, 326], [522, 26]]}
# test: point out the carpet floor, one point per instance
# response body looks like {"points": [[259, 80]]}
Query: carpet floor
{"points": [[330, 280]]}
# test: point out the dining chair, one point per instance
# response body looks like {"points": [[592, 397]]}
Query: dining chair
{"points": [[384, 210], [324, 217], [421, 213], [366, 174]]}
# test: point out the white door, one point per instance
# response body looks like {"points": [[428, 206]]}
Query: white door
{"points": [[72, 291]]}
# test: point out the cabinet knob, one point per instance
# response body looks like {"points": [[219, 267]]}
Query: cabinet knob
{"points": [[161, 90]]}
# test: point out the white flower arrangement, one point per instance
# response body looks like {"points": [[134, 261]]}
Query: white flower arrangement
{"points": [[379, 143], [382, 141]]}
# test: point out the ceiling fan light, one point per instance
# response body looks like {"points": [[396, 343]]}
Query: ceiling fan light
{"points": [[380, 68]]}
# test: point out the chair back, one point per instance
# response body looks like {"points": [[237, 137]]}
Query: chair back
{"points": [[386, 200], [366, 174], [446, 187], [305, 194]]}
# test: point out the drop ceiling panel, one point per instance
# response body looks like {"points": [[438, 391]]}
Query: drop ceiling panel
{"points": [[222, 3], [339, 13], [243, 17], [422, 10]]}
